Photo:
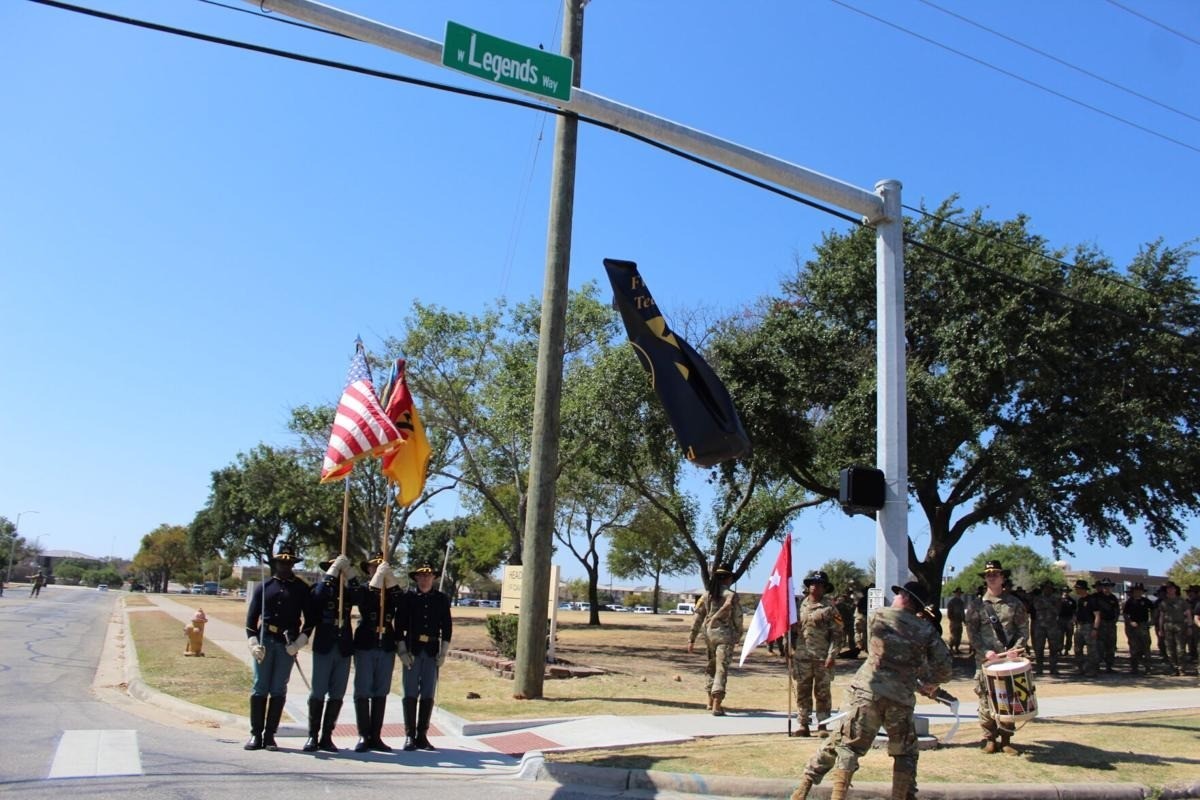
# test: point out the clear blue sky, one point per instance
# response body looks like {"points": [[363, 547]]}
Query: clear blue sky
{"points": [[191, 236]]}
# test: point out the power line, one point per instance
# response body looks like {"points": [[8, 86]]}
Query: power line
{"points": [[1167, 28], [1053, 58], [281, 20], [598, 123], [1015, 76]]}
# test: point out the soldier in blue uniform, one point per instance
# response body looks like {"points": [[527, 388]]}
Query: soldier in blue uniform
{"points": [[374, 652], [333, 650], [274, 636], [425, 641]]}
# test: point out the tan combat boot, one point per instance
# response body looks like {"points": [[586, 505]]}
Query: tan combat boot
{"points": [[1005, 746], [708, 705], [802, 728], [801, 792], [717, 699], [839, 784]]}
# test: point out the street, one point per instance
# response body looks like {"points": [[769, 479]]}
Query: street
{"points": [[60, 737]]}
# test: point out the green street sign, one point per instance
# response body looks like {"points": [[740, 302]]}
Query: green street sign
{"points": [[509, 63]]}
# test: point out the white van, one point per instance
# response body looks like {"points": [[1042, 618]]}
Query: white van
{"points": [[683, 608]]}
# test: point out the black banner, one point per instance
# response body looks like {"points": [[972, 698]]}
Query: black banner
{"points": [[700, 409]]}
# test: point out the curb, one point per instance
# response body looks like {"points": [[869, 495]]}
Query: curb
{"points": [[692, 783]]}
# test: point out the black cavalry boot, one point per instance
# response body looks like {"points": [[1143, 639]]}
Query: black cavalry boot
{"points": [[315, 707], [332, 709], [258, 718], [362, 716], [274, 714], [424, 712], [410, 724], [378, 706]]}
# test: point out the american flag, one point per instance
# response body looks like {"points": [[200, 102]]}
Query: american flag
{"points": [[360, 427]]}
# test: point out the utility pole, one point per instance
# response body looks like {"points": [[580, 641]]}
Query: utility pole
{"points": [[530, 666]]}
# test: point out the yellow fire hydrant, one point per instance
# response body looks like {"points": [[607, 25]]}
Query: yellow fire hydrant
{"points": [[195, 634]]}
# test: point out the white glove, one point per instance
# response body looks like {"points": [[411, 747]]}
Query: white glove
{"points": [[341, 565], [383, 578], [442, 651], [406, 658], [297, 644], [257, 650]]}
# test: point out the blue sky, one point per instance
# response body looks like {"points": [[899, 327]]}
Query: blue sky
{"points": [[191, 236]]}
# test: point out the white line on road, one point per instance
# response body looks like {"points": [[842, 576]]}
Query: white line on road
{"points": [[89, 754]]}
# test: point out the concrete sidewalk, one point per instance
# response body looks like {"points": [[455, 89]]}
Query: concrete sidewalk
{"points": [[514, 747]]}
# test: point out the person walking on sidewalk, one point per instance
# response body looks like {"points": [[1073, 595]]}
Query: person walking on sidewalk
{"points": [[39, 581], [374, 651], [819, 631], [999, 627], [1138, 612], [274, 636], [905, 652], [425, 627], [718, 616], [332, 651]]}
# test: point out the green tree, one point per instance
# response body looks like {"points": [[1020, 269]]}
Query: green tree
{"points": [[163, 552], [842, 573], [649, 546], [1186, 570], [589, 508], [1027, 569], [1041, 414], [266, 497], [69, 574]]}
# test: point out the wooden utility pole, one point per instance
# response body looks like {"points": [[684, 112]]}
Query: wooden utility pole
{"points": [[530, 667]]}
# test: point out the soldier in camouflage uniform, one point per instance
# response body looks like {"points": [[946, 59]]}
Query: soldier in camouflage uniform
{"points": [[956, 612], [904, 653], [1193, 635], [1087, 631], [860, 616], [1138, 612], [819, 633], [1173, 617], [1110, 609], [718, 616], [999, 627], [1045, 626], [1066, 620]]}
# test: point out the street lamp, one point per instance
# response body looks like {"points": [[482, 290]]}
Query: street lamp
{"points": [[12, 551]]}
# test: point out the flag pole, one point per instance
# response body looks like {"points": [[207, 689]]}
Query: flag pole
{"points": [[387, 523], [345, 530], [787, 652]]}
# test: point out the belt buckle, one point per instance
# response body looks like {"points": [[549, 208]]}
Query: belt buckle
{"points": [[423, 638]]}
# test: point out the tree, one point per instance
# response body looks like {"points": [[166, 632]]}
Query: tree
{"points": [[1027, 569], [1186, 570], [587, 509], [1048, 400], [649, 546], [842, 573], [164, 551], [266, 497]]}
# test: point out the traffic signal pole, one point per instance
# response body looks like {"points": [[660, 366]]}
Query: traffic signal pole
{"points": [[880, 208]]}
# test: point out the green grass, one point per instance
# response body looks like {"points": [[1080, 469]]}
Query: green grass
{"points": [[217, 680]]}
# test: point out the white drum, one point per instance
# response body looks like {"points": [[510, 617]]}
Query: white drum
{"points": [[1011, 694]]}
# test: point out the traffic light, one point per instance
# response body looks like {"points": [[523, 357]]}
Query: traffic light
{"points": [[861, 490]]}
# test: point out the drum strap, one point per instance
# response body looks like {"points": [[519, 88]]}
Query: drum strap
{"points": [[996, 626]]}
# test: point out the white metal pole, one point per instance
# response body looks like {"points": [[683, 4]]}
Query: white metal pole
{"points": [[891, 543]]}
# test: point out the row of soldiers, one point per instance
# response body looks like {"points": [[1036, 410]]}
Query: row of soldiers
{"points": [[285, 614], [1085, 622]]}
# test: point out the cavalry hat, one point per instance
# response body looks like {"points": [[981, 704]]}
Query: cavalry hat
{"points": [[913, 590], [994, 565], [723, 571], [1081, 584], [819, 577], [1171, 585], [1104, 582], [375, 558], [957, 590], [285, 552], [1138, 587], [424, 569]]}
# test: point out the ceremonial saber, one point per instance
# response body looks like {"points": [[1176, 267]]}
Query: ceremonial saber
{"points": [[296, 660]]}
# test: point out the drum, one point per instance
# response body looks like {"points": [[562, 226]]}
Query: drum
{"points": [[1010, 691]]}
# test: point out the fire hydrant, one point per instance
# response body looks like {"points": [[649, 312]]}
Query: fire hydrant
{"points": [[195, 634]]}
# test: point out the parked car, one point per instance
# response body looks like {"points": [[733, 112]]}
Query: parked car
{"points": [[137, 587], [616, 607], [212, 587], [643, 610], [197, 588], [683, 608], [102, 587]]}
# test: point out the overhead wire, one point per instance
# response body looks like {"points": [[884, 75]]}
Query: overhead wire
{"points": [[1015, 76], [601, 124], [1153, 21], [1055, 59]]}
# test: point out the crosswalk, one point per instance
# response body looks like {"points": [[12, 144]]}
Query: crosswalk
{"points": [[92, 754]]}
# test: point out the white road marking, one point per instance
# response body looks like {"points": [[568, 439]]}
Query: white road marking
{"points": [[89, 754]]}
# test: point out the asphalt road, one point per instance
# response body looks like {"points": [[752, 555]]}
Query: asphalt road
{"points": [[59, 736]]}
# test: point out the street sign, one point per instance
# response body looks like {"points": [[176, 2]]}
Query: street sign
{"points": [[500, 61]]}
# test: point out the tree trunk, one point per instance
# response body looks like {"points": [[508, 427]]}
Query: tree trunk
{"points": [[657, 589], [593, 595]]}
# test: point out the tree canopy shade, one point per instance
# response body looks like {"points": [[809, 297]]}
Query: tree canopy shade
{"points": [[1049, 399]]}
